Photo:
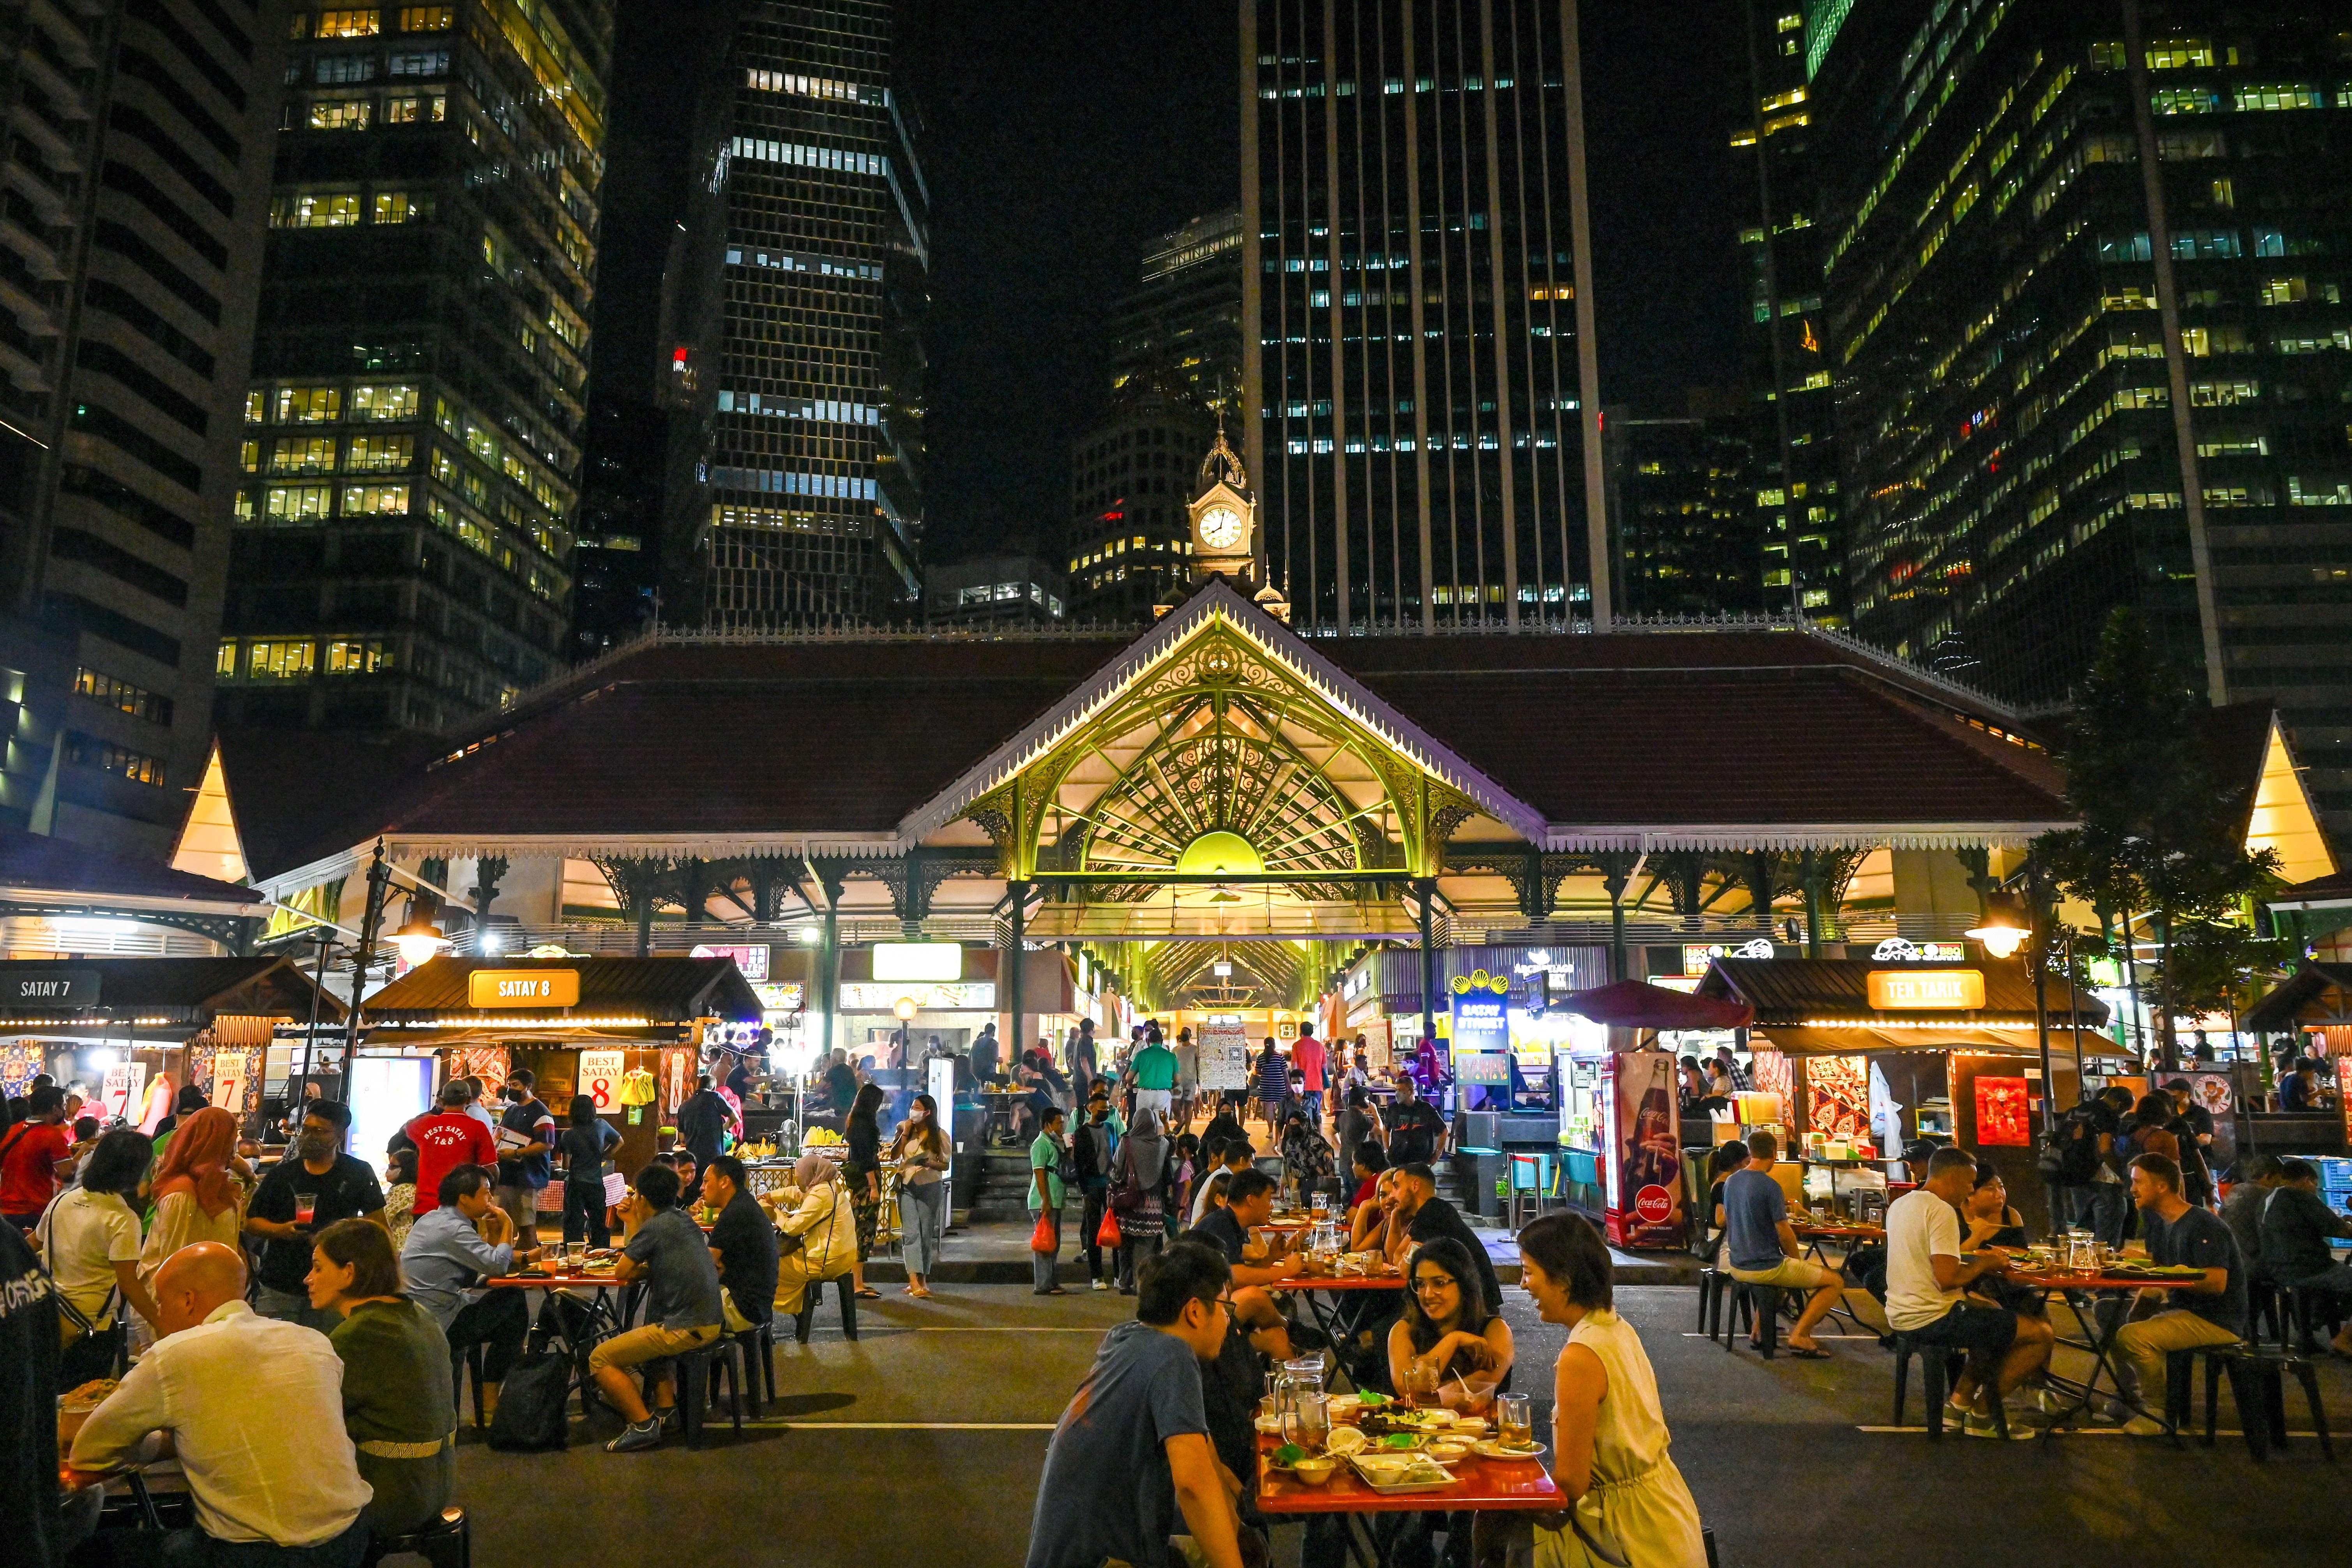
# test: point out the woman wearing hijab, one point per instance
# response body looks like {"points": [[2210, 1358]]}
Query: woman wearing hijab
{"points": [[820, 1230], [1138, 1195], [200, 1190]]}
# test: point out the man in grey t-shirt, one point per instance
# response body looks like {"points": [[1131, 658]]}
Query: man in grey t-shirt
{"points": [[670, 1254], [1133, 1450]]}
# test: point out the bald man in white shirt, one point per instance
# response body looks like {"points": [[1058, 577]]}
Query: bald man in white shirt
{"points": [[254, 1409]]}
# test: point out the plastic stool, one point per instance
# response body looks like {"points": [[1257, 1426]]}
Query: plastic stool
{"points": [[845, 1291], [447, 1542], [1937, 1367]]}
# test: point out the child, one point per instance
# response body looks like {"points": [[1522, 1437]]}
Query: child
{"points": [[400, 1195]]}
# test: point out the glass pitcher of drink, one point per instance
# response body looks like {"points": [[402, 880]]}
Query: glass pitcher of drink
{"points": [[1293, 1382]]}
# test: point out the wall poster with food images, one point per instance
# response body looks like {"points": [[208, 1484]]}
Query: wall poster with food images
{"points": [[1776, 1075], [2005, 1118], [489, 1063], [1837, 1097], [21, 1061]]}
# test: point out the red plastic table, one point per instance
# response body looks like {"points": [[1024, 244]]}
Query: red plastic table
{"points": [[1480, 1485]]}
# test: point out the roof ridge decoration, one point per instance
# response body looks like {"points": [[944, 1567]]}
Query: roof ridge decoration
{"points": [[1217, 601]]}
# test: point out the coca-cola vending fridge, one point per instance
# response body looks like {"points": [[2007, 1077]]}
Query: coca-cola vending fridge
{"points": [[1642, 1165]]}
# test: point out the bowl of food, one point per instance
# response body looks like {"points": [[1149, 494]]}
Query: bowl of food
{"points": [[1316, 1470], [1445, 1451], [1345, 1440]]}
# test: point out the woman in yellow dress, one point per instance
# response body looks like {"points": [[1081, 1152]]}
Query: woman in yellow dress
{"points": [[1632, 1507]]}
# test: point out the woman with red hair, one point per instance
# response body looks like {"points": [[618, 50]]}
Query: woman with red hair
{"points": [[200, 1190]]}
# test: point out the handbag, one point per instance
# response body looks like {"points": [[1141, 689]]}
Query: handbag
{"points": [[1109, 1234], [1043, 1239]]}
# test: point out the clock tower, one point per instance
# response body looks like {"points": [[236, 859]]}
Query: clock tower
{"points": [[1224, 529]]}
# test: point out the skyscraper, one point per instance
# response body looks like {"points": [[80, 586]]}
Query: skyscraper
{"points": [[2085, 306], [1682, 511], [137, 170], [796, 492], [1795, 510], [1131, 477], [412, 430], [1419, 398], [1182, 323]]}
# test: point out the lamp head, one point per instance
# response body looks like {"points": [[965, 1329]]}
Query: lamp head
{"points": [[2004, 929], [419, 940]]}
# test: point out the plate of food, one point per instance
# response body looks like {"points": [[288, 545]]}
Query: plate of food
{"points": [[89, 1396], [1390, 1474], [1492, 1448]]}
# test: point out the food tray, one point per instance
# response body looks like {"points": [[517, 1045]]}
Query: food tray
{"points": [[1426, 1481]]}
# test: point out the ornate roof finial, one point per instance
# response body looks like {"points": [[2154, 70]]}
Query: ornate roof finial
{"points": [[1222, 465]]}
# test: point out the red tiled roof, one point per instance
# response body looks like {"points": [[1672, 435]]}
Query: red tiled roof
{"points": [[824, 735]]}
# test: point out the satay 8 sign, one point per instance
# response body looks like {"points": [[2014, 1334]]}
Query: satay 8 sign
{"points": [[600, 1078]]}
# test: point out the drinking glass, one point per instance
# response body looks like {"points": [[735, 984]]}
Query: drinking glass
{"points": [[1514, 1420], [1420, 1389], [306, 1208], [576, 1253], [1307, 1423]]}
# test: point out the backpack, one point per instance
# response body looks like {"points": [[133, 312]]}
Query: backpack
{"points": [[531, 1404], [2069, 1156]]}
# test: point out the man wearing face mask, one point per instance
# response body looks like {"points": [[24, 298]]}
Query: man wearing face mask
{"points": [[304, 1193]]}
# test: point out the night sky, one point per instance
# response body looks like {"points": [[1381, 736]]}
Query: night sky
{"points": [[1060, 135]]}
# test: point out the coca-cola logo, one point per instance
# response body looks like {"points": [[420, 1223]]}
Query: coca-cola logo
{"points": [[1654, 1203]]}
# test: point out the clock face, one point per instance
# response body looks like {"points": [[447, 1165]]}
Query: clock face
{"points": [[1220, 528]]}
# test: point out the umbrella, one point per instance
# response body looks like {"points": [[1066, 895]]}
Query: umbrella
{"points": [[1636, 1004]]}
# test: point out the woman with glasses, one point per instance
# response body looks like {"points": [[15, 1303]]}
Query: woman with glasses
{"points": [[1451, 1347]]}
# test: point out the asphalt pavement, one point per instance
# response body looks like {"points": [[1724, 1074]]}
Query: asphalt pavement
{"points": [[920, 1445]]}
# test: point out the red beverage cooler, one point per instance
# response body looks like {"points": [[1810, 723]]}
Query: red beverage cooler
{"points": [[1641, 1144]]}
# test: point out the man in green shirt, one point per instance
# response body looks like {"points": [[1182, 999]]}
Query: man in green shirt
{"points": [[1045, 1196], [1154, 1073]]}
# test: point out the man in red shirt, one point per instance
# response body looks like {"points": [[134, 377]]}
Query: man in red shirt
{"points": [[1307, 1056], [445, 1140], [35, 1155]]}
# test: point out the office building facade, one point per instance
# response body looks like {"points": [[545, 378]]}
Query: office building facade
{"points": [[998, 592], [2065, 385], [1182, 326], [1130, 478], [1420, 385], [1795, 512], [1682, 517], [137, 173], [798, 367], [402, 554]]}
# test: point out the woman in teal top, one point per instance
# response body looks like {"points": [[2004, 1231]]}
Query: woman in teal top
{"points": [[396, 1393]]}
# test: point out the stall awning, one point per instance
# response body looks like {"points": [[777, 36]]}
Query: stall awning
{"points": [[1798, 1039], [73, 991], [598, 992], [1814, 990], [2315, 993]]}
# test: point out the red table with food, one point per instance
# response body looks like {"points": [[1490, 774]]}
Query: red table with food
{"points": [[2074, 1284], [1314, 1286], [600, 1319], [1436, 1462]]}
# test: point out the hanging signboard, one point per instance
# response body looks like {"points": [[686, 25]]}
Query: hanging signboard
{"points": [[600, 1078], [229, 1069], [125, 1081], [523, 988], [1927, 990], [54, 988], [1482, 1028], [1225, 1055]]}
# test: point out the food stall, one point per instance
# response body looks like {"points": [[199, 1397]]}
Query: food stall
{"points": [[133, 1031], [1620, 1121], [1874, 1053], [628, 1033], [2313, 1006]]}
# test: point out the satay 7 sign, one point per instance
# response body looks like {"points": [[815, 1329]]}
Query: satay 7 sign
{"points": [[599, 1078]]}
